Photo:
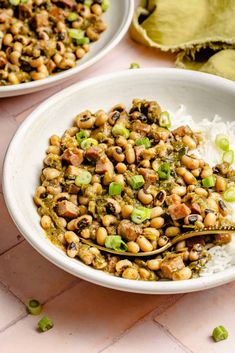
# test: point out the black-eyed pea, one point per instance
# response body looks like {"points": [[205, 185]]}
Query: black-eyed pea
{"points": [[96, 9], [189, 162], [144, 273], [145, 163], [185, 255], [101, 235], [46, 222], [54, 190], [82, 209], [223, 208], [13, 78], [172, 231], [151, 233], [72, 250], [107, 220], [97, 188], [119, 179], [180, 245], [126, 211], [55, 140], [80, 52], [130, 273], [163, 240], [144, 244], [122, 265], [83, 200], [179, 190], [101, 117], [192, 218], [201, 192], [71, 237], [156, 212], [121, 141], [181, 171], [206, 172], [134, 135], [189, 178], [85, 233], [130, 154], [50, 173], [144, 197], [117, 154], [212, 204], [183, 274], [133, 247], [121, 168], [113, 206], [160, 197], [196, 172], [85, 120], [92, 34], [220, 184], [189, 142], [7, 39], [61, 222], [53, 150], [157, 222], [210, 220], [154, 264], [193, 255]]}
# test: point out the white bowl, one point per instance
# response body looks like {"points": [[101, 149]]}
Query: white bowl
{"points": [[118, 18], [204, 95]]}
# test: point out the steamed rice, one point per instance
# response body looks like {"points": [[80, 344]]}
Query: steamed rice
{"points": [[222, 257]]}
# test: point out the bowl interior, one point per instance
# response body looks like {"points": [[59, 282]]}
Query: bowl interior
{"points": [[118, 18], [203, 95]]}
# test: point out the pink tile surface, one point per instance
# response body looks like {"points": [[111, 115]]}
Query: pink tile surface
{"points": [[88, 318]]}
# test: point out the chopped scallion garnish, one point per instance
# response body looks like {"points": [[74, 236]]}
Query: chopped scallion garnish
{"points": [[140, 214], [76, 33], [83, 40], [208, 182], [137, 181], [229, 194], [219, 333], [115, 189], [143, 141], [85, 144], [34, 307], [88, 3], [165, 120], [120, 130], [134, 66], [72, 16], [14, 2], [81, 135], [222, 142], [228, 157], [84, 178], [105, 5], [115, 242], [45, 324], [164, 171]]}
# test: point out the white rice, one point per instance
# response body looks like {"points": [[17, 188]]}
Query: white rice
{"points": [[222, 257]]}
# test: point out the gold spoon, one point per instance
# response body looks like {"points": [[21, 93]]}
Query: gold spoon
{"points": [[186, 235]]}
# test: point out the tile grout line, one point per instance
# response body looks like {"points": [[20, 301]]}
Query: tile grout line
{"points": [[23, 316], [173, 338], [12, 247], [140, 319]]}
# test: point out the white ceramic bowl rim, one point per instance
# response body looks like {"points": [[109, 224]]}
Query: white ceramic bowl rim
{"points": [[54, 79], [85, 272]]}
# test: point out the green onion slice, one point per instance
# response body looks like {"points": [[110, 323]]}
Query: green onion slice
{"points": [[120, 130], [81, 41], [219, 333], [228, 157], [137, 181], [81, 135], [208, 182], [45, 324], [34, 307], [134, 66], [115, 242], [115, 189], [229, 194], [140, 214], [222, 142], [164, 171], [84, 178], [14, 2], [72, 16], [143, 141], [85, 144], [165, 120], [88, 3], [105, 5], [76, 33]]}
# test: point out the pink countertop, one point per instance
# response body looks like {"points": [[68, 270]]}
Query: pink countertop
{"points": [[89, 318]]}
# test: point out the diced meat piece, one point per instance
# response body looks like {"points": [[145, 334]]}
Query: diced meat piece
{"points": [[182, 131], [169, 266], [195, 240], [68, 209], [72, 189], [129, 230], [72, 171], [41, 20], [138, 126], [179, 211], [173, 199], [93, 153], [138, 152], [25, 11], [104, 165], [67, 3], [223, 238], [73, 156], [57, 13], [149, 175], [195, 208]]}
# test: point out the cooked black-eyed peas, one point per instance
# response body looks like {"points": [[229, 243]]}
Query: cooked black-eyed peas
{"points": [[123, 181], [40, 38]]}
